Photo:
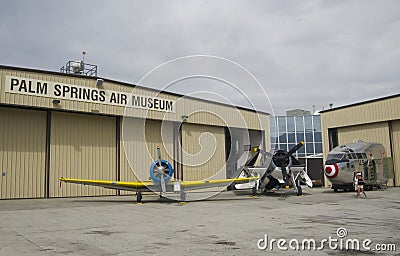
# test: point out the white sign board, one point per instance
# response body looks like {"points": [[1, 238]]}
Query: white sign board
{"points": [[40, 88]]}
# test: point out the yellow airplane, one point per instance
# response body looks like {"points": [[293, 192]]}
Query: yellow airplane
{"points": [[160, 173]]}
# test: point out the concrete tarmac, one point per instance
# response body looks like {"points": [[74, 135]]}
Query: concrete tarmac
{"points": [[227, 224]]}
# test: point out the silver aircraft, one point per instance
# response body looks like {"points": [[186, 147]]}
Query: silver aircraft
{"points": [[344, 161]]}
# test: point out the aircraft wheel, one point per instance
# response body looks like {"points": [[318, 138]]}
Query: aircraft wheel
{"points": [[299, 190], [139, 197], [335, 190], [254, 191], [182, 196]]}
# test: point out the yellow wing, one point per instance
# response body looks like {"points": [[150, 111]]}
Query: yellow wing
{"points": [[134, 186], [191, 185], [149, 185]]}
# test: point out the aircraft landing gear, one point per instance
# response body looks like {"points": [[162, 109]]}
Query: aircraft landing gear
{"points": [[299, 189], [139, 197], [182, 196], [254, 191]]}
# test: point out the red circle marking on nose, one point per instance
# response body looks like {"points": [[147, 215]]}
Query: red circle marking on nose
{"points": [[332, 172], [328, 169]]}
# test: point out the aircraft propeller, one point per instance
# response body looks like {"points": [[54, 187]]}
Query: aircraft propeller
{"points": [[284, 159]]}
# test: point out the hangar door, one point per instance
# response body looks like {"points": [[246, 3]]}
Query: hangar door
{"points": [[396, 150], [139, 141], [376, 132], [203, 152], [82, 146], [22, 153]]}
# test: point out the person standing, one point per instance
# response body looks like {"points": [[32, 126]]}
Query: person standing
{"points": [[360, 182]]}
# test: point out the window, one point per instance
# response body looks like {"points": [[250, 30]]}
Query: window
{"points": [[310, 148], [308, 123], [282, 138], [282, 146], [290, 124], [291, 138], [309, 137], [318, 148], [317, 123], [302, 150], [300, 137], [282, 124], [290, 146], [299, 123], [317, 136]]}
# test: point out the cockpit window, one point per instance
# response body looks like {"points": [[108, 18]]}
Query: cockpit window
{"points": [[338, 156], [360, 156]]}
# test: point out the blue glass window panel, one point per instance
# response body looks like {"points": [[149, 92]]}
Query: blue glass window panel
{"points": [[291, 138], [282, 124], [310, 148], [290, 146], [317, 136], [308, 123], [299, 123], [282, 146], [282, 138], [318, 148], [290, 124], [300, 137], [302, 150], [309, 137], [317, 123]]}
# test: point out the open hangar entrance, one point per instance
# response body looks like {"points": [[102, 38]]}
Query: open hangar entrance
{"points": [[239, 145]]}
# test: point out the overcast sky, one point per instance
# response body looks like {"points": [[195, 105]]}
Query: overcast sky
{"points": [[303, 53]]}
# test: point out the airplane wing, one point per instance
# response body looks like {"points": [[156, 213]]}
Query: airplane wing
{"points": [[151, 186], [131, 186], [192, 185]]}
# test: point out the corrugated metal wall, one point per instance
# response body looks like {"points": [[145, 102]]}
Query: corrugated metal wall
{"points": [[396, 150], [82, 146], [139, 141], [373, 112], [203, 152], [22, 153], [377, 132]]}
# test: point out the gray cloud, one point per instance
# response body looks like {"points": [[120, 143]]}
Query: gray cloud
{"points": [[303, 52]]}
